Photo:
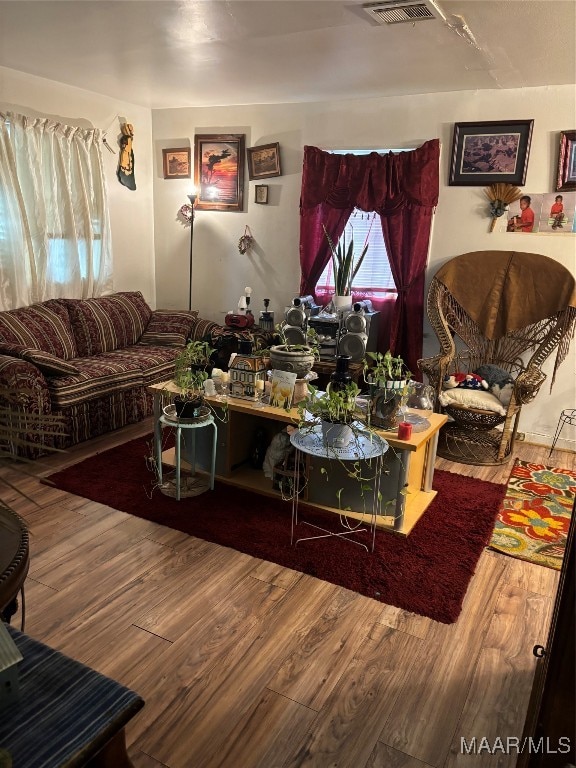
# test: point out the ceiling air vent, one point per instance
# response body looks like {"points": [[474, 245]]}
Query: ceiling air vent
{"points": [[398, 11]]}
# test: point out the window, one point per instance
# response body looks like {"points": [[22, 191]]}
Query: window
{"points": [[374, 278], [54, 222]]}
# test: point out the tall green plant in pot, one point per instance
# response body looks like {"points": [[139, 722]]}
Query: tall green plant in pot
{"points": [[345, 266]]}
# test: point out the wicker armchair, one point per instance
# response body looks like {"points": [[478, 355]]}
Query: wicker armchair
{"points": [[503, 308]]}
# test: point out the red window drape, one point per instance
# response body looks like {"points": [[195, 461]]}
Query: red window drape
{"points": [[403, 189]]}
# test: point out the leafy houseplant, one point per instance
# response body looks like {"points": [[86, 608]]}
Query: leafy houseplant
{"points": [[335, 410], [296, 358], [344, 263], [389, 382], [385, 370], [190, 373]]}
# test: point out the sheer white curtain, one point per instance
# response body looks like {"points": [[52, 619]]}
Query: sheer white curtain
{"points": [[54, 225]]}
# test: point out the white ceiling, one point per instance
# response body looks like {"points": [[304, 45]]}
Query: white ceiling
{"points": [[175, 53]]}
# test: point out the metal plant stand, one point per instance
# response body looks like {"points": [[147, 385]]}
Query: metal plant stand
{"points": [[365, 446]]}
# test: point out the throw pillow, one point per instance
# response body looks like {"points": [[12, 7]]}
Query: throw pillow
{"points": [[108, 323], [47, 363], [500, 382], [471, 398], [169, 328]]}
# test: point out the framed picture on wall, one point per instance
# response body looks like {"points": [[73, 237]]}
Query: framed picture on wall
{"points": [[176, 163], [489, 152], [264, 161], [219, 171], [261, 194], [566, 177]]}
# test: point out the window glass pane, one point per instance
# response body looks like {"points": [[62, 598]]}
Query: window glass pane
{"points": [[374, 278]]}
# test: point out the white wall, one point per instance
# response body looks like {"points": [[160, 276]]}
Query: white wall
{"points": [[131, 212], [272, 269]]}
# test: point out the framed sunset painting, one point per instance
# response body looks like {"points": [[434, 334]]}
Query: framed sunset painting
{"points": [[219, 171]]}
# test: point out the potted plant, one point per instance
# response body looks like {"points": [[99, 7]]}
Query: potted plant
{"points": [[345, 266], [335, 410], [192, 368], [389, 382], [296, 358]]}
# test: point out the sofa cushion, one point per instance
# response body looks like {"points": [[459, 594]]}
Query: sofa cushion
{"points": [[156, 363], [471, 398], [107, 323], [202, 329], [98, 376], [49, 364], [169, 327], [44, 326]]}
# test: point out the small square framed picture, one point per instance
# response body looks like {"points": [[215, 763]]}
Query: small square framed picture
{"points": [[176, 163], [261, 194]]}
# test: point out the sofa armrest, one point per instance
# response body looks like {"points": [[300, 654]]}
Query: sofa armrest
{"points": [[23, 383], [27, 426]]}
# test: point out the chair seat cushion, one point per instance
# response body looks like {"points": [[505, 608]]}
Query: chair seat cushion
{"points": [[471, 398]]}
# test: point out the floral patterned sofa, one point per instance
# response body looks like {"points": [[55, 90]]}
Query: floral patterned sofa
{"points": [[88, 361]]}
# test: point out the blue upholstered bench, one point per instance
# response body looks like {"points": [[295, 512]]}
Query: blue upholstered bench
{"points": [[67, 715]]}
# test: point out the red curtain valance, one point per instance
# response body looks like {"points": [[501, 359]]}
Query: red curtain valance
{"points": [[371, 182]]}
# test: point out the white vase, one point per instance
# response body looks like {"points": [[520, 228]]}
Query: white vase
{"points": [[342, 303]]}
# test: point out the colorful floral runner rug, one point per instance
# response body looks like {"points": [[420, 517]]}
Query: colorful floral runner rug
{"points": [[533, 521]]}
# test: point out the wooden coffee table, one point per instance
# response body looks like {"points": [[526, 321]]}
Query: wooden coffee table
{"points": [[14, 562], [409, 465]]}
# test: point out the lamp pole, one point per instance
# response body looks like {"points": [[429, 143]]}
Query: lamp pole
{"points": [[192, 198]]}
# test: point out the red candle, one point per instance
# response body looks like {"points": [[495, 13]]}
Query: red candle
{"points": [[404, 430]]}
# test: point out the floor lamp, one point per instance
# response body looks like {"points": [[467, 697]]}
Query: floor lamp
{"points": [[192, 198]]}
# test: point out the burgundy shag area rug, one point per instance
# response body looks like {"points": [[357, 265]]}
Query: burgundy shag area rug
{"points": [[426, 573]]}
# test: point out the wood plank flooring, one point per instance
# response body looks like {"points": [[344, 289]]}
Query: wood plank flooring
{"points": [[244, 664]]}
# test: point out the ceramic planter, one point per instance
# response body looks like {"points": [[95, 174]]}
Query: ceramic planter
{"points": [[299, 362], [188, 408], [336, 435]]}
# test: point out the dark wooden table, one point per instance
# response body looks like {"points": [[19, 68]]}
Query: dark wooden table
{"points": [[14, 562]]}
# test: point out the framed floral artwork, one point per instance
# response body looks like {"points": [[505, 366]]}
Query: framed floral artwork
{"points": [[219, 171], [489, 152]]}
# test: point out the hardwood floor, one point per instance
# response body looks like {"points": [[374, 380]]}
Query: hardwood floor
{"points": [[244, 664]]}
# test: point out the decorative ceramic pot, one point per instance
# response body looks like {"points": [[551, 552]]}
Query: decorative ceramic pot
{"points": [[336, 435], [299, 361], [342, 303], [188, 408]]}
